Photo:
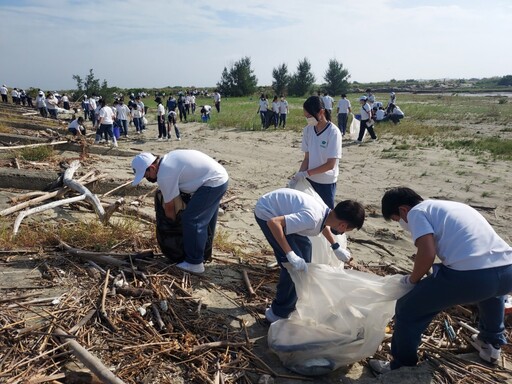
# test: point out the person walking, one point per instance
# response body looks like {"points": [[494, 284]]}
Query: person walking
{"points": [[122, 113], [287, 217], [3, 92], [343, 109], [321, 144], [262, 110], [160, 118], [475, 267], [41, 104], [216, 100], [366, 120], [192, 172], [105, 123], [283, 111]]}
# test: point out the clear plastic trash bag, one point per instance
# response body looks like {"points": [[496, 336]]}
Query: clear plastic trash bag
{"points": [[340, 318]]}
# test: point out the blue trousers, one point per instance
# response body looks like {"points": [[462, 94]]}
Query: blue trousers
{"points": [[325, 191], [199, 215], [437, 292], [123, 125], [342, 122], [286, 297]]}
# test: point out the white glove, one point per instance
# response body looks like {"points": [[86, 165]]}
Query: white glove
{"points": [[300, 175], [298, 263], [342, 254], [406, 281]]}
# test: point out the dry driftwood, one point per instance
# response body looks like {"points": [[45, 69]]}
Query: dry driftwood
{"points": [[89, 360], [93, 256]]}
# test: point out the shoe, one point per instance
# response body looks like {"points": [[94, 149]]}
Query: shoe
{"points": [[126, 136], [168, 138], [179, 139], [379, 367], [375, 139], [138, 133], [114, 144], [359, 142], [159, 139], [487, 352], [192, 268], [271, 316], [102, 141], [96, 142]]}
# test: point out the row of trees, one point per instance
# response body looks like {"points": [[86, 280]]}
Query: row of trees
{"points": [[239, 79]]}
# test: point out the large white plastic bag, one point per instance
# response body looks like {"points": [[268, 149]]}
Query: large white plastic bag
{"points": [[322, 252], [340, 318], [354, 129]]}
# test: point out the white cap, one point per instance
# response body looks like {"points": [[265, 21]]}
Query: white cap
{"points": [[41, 93], [140, 163]]}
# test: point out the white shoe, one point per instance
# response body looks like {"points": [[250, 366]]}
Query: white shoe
{"points": [[487, 352], [379, 367], [96, 142], [138, 133], [192, 268], [159, 139], [114, 144], [271, 316], [179, 139]]}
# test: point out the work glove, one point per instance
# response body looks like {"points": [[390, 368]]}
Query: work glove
{"points": [[298, 263], [300, 175], [342, 254], [406, 281]]}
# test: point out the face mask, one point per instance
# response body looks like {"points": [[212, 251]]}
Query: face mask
{"points": [[312, 121], [404, 225]]}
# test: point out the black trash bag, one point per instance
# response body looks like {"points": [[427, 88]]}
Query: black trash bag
{"points": [[169, 233]]}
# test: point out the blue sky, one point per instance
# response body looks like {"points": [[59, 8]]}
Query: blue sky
{"points": [[156, 43]]}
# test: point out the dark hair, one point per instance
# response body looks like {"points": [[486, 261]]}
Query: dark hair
{"points": [[80, 119], [343, 95], [395, 197], [313, 105], [102, 102], [350, 211]]}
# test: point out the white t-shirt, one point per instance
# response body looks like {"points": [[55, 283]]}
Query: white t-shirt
{"points": [[136, 112], [3, 91], [192, 99], [160, 110], [122, 111], [107, 115], [303, 214], [74, 124], [283, 107], [65, 99], [187, 170], [207, 108], [216, 97], [344, 105], [263, 105], [321, 147], [379, 115], [275, 106], [92, 104], [464, 239], [365, 111], [328, 101]]}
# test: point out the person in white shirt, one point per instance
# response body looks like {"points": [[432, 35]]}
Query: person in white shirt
{"points": [[3, 92], [92, 110], [192, 172], [205, 113], [475, 267], [396, 114], [380, 115], [15, 96], [216, 100], [366, 120], [283, 111], [193, 103], [76, 127], [275, 111], [172, 118], [343, 109], [160, 119], [287, 217], [51, 104], [321, 144], [105, 123], [328, 102], [262, 110], [65, 102], [122, 114], [391, 102], [41, 104]]}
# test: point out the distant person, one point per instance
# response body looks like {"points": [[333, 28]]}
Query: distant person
{"points": [[142, 108], [475, 268], [262, 110], [396, 114], [283, 111], [172, 118], [85, 107], [181, 107], [41, 104], [343, 109], [172, 104], [193, 103], [76, 127], [191, 172], [105, 123], [52, 105], [205, 113], [92, 105], [287, 217], [392, 101], [366, 122], [3, 92], [136, 117], [15, 96], [216, 100], [65, 102], [160, 119], [380, 115], [22, 97], [122, 114], [328, 102], [321, 144], [275, 111]]}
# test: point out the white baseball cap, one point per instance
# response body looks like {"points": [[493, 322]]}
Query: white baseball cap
{"points": [[140, 163]]}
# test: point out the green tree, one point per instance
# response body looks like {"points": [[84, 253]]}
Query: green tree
{"points": [[91, 85], [281, 79], [239, 80], [505, 80], [336, 78], [302, 81]]}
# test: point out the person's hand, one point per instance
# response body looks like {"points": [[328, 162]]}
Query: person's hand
{"points": [[342, 254], [300, 175], [297, 262], [406, 281]]}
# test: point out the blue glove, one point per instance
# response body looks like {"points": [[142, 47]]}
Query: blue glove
{"points": [[298, 263]]}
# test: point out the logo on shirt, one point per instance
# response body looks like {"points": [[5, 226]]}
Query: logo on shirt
{"points": [[323, 144]]}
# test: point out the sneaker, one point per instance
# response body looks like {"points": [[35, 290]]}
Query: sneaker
{"points": [[126, 136], [192, 268], [138, 132], [487, 352], [271, 316], [102, 141], [375, 139], [379, 367], [359, 142], [96, 142], [114, 144], [159, 139], [179, 139]]}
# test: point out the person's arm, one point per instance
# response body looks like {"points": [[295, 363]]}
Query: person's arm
{"points": [[424, 257], [169, 210], [305, 162], [277, 226], [327, 166]]}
